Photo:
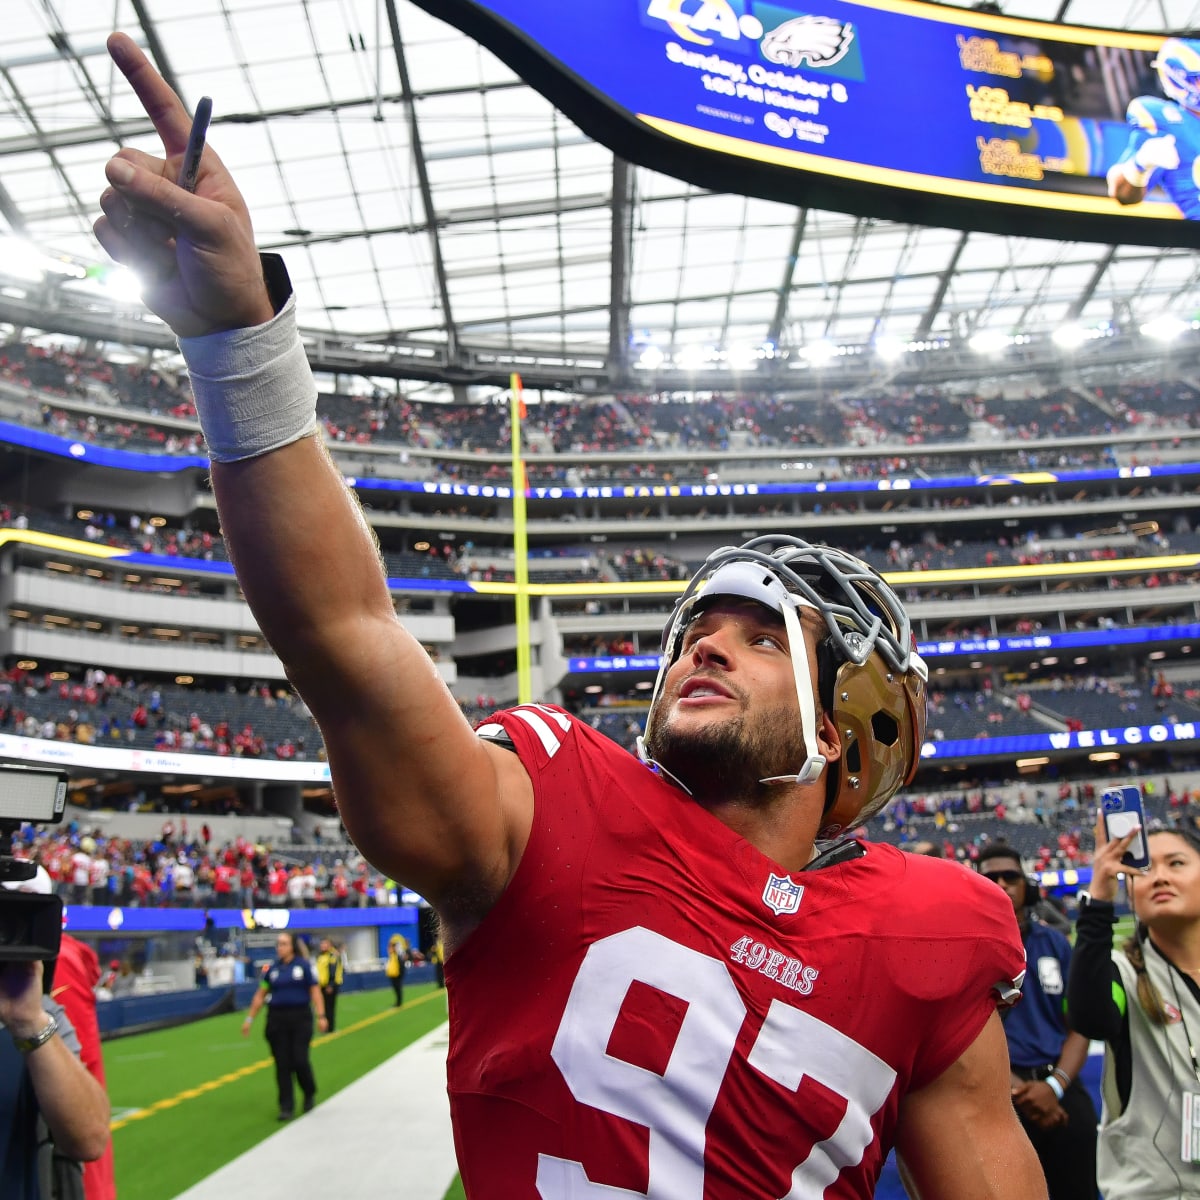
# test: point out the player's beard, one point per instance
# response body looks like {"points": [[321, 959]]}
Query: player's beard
{"points": [[723, 762]]}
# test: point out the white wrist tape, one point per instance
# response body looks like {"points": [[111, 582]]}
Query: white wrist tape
{"points": [[1052, 1083], [253, 388]]}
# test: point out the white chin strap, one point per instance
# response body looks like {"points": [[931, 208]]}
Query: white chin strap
{"points": [[814, 764]]}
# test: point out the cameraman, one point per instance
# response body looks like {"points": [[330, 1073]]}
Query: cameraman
{"points": [[41, 1074]]}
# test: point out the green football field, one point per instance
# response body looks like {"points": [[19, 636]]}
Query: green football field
{"points": [[185, 1101]]}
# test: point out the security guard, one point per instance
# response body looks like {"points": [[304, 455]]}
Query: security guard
{"points": [[1045, 1055], [290, 991], [397, 961], [330, 976]]}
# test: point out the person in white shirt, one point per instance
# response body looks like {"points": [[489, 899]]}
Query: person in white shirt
{"points": [[99, 879], [81, 876]]}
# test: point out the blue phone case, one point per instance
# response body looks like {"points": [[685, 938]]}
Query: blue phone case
{"points": [[1120, 808]]}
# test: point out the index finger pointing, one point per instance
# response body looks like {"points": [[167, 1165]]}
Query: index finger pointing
{"points": [[162, 105]]}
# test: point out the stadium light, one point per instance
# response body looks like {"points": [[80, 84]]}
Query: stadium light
{"points": [[1165, 327], [122, 284], [820, 353], [890, 348], [1069, 337], [743, 356], [989, 341], [21, 260], [651, 358], [690, 358]]}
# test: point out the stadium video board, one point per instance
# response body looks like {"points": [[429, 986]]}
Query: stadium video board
{"points": [[888, 108]]}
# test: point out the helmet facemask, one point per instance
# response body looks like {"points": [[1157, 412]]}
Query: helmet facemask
{"points": [[877, 697]]}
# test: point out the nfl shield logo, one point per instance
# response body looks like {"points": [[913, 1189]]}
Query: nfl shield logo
{"points": [[782, 895]]}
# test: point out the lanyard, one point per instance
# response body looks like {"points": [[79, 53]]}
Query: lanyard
{"points": [[1187, 1033]]}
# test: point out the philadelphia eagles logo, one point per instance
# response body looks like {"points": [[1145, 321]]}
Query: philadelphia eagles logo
{"points": [[819, 41]]}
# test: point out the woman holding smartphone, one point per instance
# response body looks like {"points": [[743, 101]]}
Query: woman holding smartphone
{"points": [[1143, 1001]]}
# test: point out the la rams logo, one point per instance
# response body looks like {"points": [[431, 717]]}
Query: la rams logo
{"points": [[782, 895], [698, 21], [817, 41]]}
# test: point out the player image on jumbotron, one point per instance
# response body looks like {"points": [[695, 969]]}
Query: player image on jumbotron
{"points": [[1163, 145]]}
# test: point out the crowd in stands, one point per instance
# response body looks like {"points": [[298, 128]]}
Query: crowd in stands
{"points": [[931, 551], [717, 422], [1064, 703], [100, 708], [97, 707], [923, 416], [131, 435], [1172, 401], [1050, 823], [183, 868], [79, 376], [646, 564]]}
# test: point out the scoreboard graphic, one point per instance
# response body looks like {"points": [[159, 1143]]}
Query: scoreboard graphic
{"points": [[903, 110]]}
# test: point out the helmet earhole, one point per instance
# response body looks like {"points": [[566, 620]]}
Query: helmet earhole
{"points": [[885, 728], [853, 757]]}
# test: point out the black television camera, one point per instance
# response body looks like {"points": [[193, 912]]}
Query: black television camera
{"points": [[30, 925]]}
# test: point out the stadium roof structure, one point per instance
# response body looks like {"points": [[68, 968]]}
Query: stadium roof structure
{"points": [[442, 222]]}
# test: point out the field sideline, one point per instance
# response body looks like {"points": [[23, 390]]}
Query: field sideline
{"points": [[187, 1100]]}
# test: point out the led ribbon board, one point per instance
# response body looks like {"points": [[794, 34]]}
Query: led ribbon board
{"points": [[907, 111]]}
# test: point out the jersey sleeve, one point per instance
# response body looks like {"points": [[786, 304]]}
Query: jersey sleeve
{"points": [[552, 743], [536, 732], [964, 961]]}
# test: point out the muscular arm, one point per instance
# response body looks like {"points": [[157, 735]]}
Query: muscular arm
{"points": [[959, 1137], [425, 800], [427, 803], [73, 1104]]}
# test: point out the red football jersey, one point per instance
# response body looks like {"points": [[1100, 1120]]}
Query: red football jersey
{"points": [[76, 974], [654, 1009]]}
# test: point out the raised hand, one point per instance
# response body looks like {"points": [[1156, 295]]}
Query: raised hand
{"points": [[1106, 862], [21, 997], [194, 252]]}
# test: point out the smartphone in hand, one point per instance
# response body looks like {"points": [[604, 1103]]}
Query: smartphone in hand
{"points": [[1121, 810]]}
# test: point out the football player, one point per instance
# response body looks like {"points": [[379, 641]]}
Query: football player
{"points": [[1164, 139], [663, 982]]}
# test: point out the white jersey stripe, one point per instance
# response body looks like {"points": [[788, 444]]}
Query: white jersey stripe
{"points": [[549, 738], [560, 719]]}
